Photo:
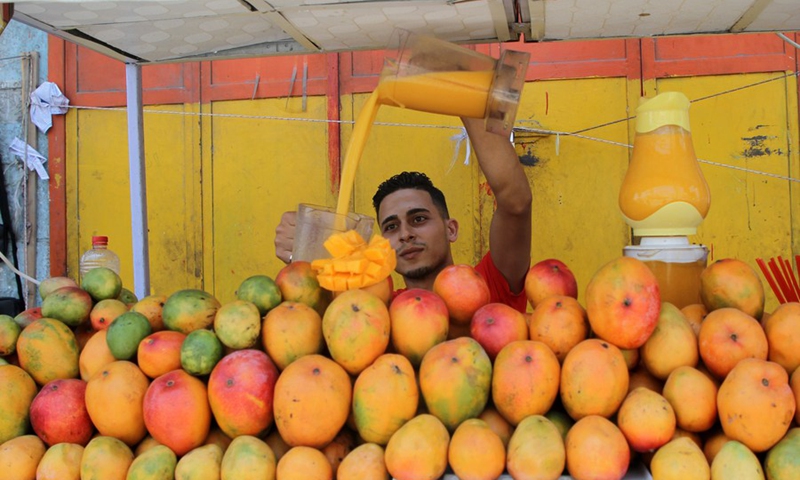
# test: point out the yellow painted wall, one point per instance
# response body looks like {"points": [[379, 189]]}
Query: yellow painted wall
{"points": [[217, 185]]}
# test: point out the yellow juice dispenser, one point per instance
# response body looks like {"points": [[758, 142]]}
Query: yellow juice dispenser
{"points": [[664, 197]]}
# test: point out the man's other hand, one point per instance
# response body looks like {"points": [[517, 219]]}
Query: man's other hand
{"points": [[284, 236]]}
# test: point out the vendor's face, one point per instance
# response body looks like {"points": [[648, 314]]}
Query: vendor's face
{"points": [[417, 231]]}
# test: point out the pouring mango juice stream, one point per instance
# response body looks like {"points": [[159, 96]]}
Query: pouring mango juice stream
{"points": [[459, 93]]}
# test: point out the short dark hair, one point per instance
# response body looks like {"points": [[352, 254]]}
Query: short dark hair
{"points": [[412, 180]]}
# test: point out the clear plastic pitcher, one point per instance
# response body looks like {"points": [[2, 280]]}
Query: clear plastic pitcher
{"points": [[315, 223], [431, 75]]}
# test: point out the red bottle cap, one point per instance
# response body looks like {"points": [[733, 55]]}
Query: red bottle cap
{"points": [[99, 240]]}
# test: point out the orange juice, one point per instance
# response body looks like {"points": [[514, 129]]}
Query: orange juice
{"points": [[679, 283], [355, 148], [462, 93], [676, 264], [663, 170]]}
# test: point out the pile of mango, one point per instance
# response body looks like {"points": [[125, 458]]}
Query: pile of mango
{"points": [[320, 371]]}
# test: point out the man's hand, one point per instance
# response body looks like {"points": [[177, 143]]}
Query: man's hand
{"points": [[284, 236]]}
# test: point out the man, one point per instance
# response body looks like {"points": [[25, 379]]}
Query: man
{"points": [[412, 214]]}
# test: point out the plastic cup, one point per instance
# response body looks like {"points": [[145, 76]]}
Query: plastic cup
{"points": [[315, 223]]}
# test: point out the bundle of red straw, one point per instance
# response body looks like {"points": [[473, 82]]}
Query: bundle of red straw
{"points": [[781, 278]]}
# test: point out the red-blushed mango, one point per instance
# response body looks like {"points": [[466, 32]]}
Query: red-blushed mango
{"points": [[782, 461], [735, 461], [680, 459], [70, 305], [291, 330], [548, 278], [365, 462], [20, 456], [536, 450], [16, 396], [385, 396], [732, 283], [594, 379], [755, 403], [160, 352], [475, 452], [48, 351], [312, 390], [525, 380], [114, 396], [728, 335], [59, 415], [298, 282], [418, 449], [177, 398], [240, 393], [152, 307], [202, 463], [646, 419], [157, 463], [463, 290], [560, 323], [304, 463], [596, 448], [26, 317], [106, 311], [188, 310], [419, 320], [105, 458], [61, 462], [248, 458], [455, 378], [356, 329], [495, 325], [672, 344], [623, 302], [238, 324]]}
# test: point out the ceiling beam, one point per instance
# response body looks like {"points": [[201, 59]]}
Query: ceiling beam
{"points": [[500, 19], [537, 20], [750, 15]]}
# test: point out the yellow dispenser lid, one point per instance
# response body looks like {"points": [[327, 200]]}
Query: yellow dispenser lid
{"points": [[668, 108]]}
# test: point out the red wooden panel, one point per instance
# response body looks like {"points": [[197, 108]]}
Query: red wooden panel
{"points": [[55, 165], [359, 71], [549, 60], [236, 79], [584, 58], [161, 84], [715, 55]]}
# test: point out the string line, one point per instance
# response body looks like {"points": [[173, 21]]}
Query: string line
{"points": [[576, 134]]}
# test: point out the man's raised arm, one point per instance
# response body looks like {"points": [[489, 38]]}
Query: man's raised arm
{"points": [[510, 231]]}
